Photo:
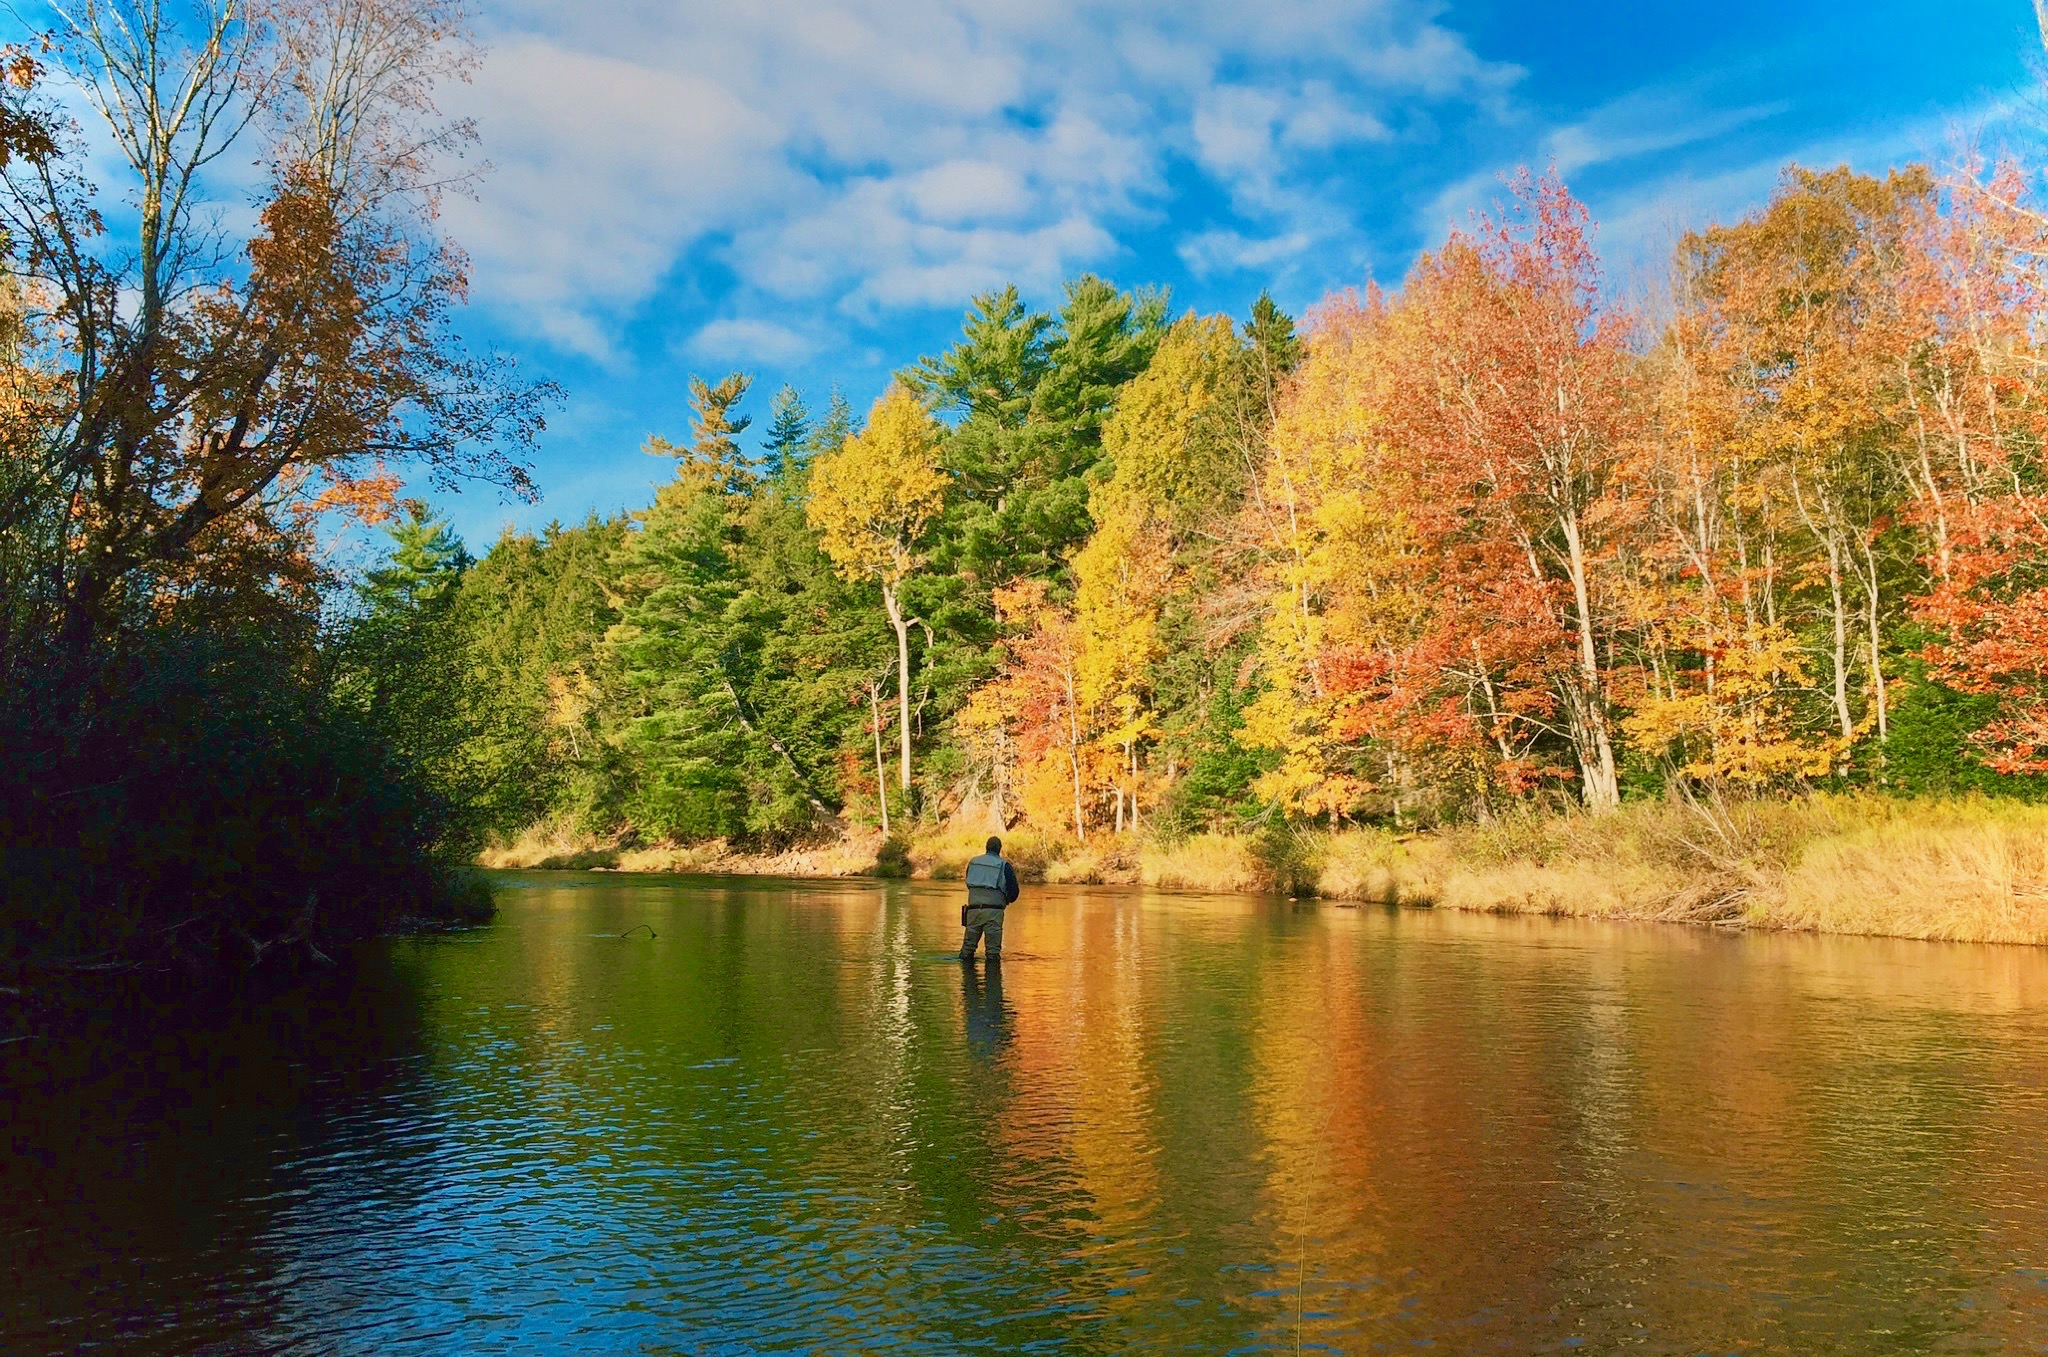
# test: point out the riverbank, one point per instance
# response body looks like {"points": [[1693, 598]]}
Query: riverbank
{"points": [[1964, 870]]}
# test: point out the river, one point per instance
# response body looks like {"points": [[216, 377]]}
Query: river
{"points": [[777, 1117]]}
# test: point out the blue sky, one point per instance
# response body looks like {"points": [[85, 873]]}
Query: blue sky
{"points": [[812, 191]]}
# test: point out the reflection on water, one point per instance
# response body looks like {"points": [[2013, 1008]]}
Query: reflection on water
{"points": [[792, 1121], [987, 1018]]}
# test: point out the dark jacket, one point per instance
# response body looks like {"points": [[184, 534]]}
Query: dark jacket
{"points": [[989, 895]]}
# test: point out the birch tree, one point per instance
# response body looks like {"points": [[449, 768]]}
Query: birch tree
{"points": [[872, 503]]}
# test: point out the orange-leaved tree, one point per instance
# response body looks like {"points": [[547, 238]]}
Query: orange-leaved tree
{"points": [[208, 378], [1980, 424], [1473, 441], [1803, 323], [1035, 702]]}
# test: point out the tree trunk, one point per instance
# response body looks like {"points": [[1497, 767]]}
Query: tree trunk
{"points": [[1876, 654], [1830, 540], [1842, 643], [1841, 618], [881, 768], [895, 607], [996, 776], [1602, 782], [1493, 717], [1074, 759], [1131, 772]]}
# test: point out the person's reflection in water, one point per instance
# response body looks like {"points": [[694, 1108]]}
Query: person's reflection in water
{"points": [[988, 1022]]}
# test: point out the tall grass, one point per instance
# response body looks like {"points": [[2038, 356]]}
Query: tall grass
{"points": [[557, 844], [1971, 869], [1204, 862], [553, 843], [1965, 869]]}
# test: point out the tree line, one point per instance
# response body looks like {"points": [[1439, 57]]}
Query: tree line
{"points": [[1494, 538]]}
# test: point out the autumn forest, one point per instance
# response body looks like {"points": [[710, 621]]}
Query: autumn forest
{"points": [[1496, 539], [1491, 538]]}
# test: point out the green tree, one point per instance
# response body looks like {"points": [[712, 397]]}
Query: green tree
{"points": [[674, 577], [425, 568], [532, 615], [1271, 332], [713, 452], [834, 429], [727, 660], [1032, 391], [789, 433]]}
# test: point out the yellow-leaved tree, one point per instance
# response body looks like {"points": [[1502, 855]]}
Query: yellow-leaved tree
{"points": [[1168, 461], [871, 503]]}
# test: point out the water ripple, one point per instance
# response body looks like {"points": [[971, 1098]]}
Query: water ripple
{"points": [[789, 1123]]}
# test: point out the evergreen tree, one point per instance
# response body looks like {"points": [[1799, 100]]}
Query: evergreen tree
{"points": [[730, 662], [789, 434], [674, 577], [532, 615], [425, 567], [1271, 332], [1033, 390], [817, 640], [1103, 340], [713, 453], [835, 428]]}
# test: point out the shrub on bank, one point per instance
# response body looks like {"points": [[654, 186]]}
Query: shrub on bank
{"points": [[214, 798]]}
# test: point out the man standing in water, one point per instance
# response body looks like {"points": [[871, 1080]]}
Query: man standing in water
{"points": [[991, 887]]}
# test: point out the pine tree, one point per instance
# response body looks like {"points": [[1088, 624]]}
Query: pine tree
{"points": [[713, 454], [1033, 390], [834, 429], [1271, 332], [789, 434], [674, 579], [426, 565]]}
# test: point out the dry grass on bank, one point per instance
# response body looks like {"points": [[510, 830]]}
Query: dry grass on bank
{"points": [[1972, 870], [1205, 862], [551, 844], [943, 853], [556, 846], [1965, 870]]}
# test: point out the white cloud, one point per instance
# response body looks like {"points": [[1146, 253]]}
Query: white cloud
{"points": [[741, 340], [873, 154], [1214, 252], [598, 181], [1638, 124], [1246, 137], [967, 190], [1640, 222]]}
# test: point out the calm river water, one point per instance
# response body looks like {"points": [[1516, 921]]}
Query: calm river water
{"points": [[788, 1122]]}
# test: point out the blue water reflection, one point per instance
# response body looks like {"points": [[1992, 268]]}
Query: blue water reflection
{"points": [[790, 1121]]}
